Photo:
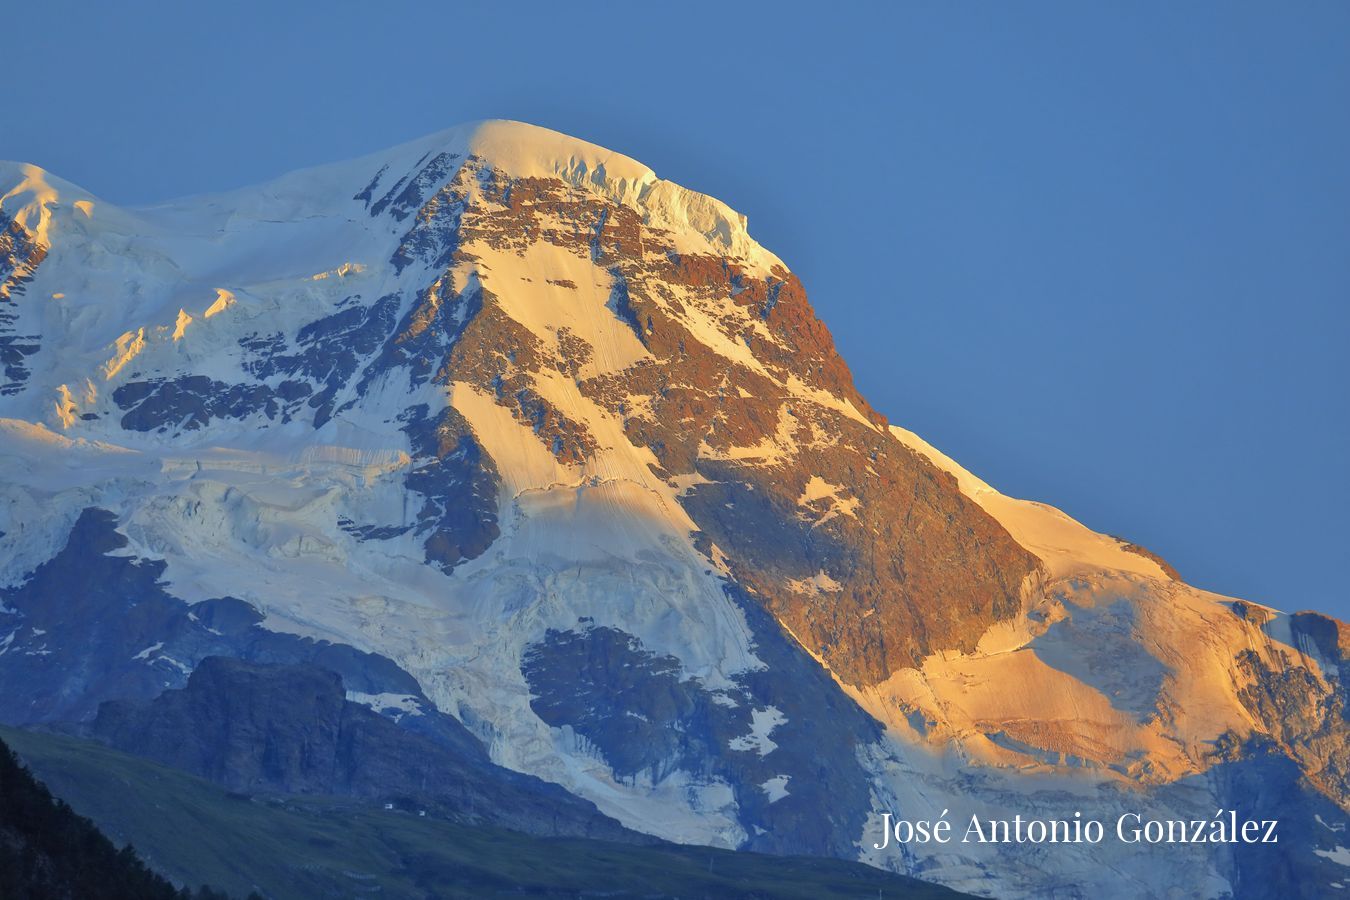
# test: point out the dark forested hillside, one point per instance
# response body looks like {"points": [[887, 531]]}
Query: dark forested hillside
{"points": [[48, 851]]}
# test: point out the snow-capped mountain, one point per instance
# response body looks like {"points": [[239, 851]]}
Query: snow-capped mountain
{"points": [[517, 437]]}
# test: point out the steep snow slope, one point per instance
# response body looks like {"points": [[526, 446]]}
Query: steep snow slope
{"points": [[562, 445]]}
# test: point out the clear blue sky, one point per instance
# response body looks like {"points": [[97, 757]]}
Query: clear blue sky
{"points": [[1098, 252]]}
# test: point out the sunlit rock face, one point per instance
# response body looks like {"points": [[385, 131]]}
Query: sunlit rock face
{"points": [[545, 456]]}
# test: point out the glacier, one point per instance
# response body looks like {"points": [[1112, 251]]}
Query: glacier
{"points": [[564, 447]]}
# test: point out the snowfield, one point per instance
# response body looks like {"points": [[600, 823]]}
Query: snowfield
{"points": [[280, 394]]}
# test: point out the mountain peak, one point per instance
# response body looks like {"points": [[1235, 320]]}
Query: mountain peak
{"points": [[524, 151], [556, 439]]}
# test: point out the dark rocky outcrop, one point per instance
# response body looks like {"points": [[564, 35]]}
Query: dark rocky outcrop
{"points": [[1131, 547], [310, 372], [458, 483], [20, 255], [326, 353], [288, 729], [89, 625], [1261, 782], [190, 402], [645, 717], [1303, 716]]}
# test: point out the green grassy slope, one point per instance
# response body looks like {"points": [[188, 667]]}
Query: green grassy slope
{"points": [[308, 847], [50, 852]]}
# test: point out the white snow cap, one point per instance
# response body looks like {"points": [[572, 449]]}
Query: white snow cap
{"points": [[698, 222], [529, 151]]}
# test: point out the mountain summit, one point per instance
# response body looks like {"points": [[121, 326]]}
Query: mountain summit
{"points": [[542, 453]]}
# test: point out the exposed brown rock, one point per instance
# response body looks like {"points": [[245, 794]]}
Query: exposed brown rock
{"points": [[1137, 550], [1305, 716], [889, 564]]}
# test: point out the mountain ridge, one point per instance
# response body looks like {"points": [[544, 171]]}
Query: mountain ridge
{"points": [[503, 409]]}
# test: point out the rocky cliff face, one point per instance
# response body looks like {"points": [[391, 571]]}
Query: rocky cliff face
{"points": [[20, 255], [721, 372], [289, 729], [521, 439]]}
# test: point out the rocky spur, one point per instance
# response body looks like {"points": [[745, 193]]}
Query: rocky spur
{"points": [[1225, 827]]}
